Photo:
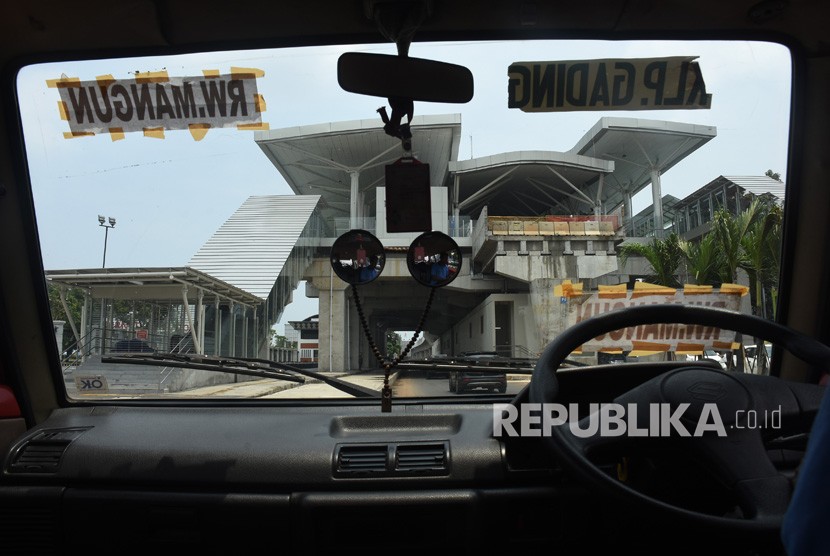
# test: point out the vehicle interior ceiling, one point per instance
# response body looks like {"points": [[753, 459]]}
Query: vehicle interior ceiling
{"points": [[285, 487]]}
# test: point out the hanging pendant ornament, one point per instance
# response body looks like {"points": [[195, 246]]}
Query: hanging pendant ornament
{"points": [[358, 257]]}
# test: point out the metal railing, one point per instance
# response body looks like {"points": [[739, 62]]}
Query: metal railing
{"points": [[457, 227], [103, 341], [341, 225], [516, 351]]}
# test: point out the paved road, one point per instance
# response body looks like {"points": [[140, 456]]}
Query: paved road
{"points": [[405, 384], [417, 384]]}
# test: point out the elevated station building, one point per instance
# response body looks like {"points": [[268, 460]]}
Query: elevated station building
{"points": [[525, 221]]}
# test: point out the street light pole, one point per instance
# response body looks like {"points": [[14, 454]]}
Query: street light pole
{"points": [[106, 223]]}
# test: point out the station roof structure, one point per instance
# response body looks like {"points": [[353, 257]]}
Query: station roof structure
{"points": [[614, 158], [149, 283], [637, 146], [526, 183], [320, 159]]}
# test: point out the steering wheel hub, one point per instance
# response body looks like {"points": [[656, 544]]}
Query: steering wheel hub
{"points": [[701, 388]]}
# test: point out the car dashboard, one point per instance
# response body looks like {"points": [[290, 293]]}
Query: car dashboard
{"points": [[315, 478], [200, 476]]}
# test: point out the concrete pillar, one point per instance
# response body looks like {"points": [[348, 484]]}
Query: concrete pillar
{"points": [[354, 200], [598, 205], [217, 328], [332, 324], [657, 202], [456, 212]]}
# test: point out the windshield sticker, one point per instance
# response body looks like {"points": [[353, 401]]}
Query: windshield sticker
{"points": [[574, 306], [625, 84], [153, 102]]}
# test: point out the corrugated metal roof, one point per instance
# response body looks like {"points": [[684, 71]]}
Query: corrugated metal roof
{"points": [[154, 283], [251, 248], [758, 185]]}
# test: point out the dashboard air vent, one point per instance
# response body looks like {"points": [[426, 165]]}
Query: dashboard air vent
{"points": [[362, 459], [43, 452], [429, 458]]}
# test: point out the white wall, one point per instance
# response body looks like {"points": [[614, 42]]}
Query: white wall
{"points": [[524, 327]]}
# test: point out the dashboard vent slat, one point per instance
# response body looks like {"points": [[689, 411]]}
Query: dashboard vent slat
{"points": [[421, 457], [362, 459], [43, 452], [40, 456]]}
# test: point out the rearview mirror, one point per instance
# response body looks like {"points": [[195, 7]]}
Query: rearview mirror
{"points": [[357, 257], [386, 76], [434, 259]]}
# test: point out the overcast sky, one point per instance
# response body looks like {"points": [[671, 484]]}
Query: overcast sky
{"points": [[170, 195]]}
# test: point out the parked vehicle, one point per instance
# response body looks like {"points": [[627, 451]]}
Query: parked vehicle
{"points": [[465, 380]]}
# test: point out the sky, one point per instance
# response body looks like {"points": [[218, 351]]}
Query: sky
{"points": [[170, 195]]}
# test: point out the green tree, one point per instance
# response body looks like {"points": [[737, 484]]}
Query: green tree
{"points": [[762, 256], [393, 343], [703, 260], [75, 302], [729, 231], [280, 341], [774, 175], [752, 241], [762, 262], [664, 256]]}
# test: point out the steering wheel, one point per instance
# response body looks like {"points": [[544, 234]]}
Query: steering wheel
{"points": [[739, 459]]}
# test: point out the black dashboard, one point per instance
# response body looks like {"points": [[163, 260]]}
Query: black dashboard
{"points": [[311, 479]]}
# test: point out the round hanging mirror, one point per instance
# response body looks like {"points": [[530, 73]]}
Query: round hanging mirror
{"points": [[357, 257], [434, 259]]}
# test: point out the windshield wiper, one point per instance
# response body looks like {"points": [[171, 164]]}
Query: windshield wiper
{"points": [[484, 365], [240, 365], [464, 366]]}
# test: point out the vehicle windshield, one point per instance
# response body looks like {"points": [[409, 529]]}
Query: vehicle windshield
{"points": [[189, 205]]}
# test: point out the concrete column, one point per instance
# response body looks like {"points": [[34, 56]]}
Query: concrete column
{"points": [[232, 334], [456, 213], [217, 328], [200, 321], [629, 211], [244, 331], [598, 205], [657, 201], [332, 324], [354, 199]]}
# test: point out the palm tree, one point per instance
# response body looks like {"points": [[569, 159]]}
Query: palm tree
{"points": [[664, 256], [762, 251], [751, 241], [729, 230], [773, 241], [761, 255], [703, 261]]}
